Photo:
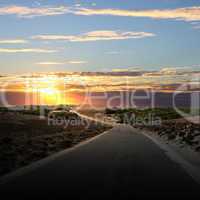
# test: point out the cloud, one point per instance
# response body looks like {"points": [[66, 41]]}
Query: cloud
{"points": [[170, 71], [129, 69], [186, 14], [63, 63], [13, 41], [96, 36], [26, 50], [74, 62], [176, 69], [29, 12], [50, 63], [77, 5]]}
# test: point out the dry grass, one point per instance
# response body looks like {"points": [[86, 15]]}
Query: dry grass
{"points": [[25, 139]]}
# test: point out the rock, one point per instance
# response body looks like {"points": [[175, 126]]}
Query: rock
{"points": [[196, 132], [171, 136], [7, 140], [66, 143], [181, 133], [197, 148], [187, 140]]}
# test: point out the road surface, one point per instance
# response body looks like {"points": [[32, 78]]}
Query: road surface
{"points": [[120, 163]]}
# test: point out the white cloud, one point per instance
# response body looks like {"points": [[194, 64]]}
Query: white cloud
{"points": [[74, 62], [26, 50], [12, 41], [29, 12], [50, 63], [168, 71], [186, 14], [62, 63], [96, 36], [77, 5], [129, 69]]}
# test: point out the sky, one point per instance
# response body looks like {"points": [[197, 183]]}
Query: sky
{"points": [[98, 35]]}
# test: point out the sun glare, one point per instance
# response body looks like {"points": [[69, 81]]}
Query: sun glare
{"points": [[49, 91], [51, 95]]}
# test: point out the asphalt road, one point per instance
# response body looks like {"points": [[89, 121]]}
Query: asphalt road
{"points": [[121, 163]]}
